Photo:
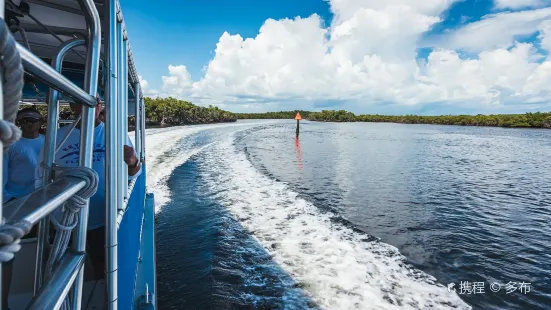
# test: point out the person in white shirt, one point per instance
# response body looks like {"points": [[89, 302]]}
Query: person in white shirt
{"points": [[67, 156], [20, 161]]}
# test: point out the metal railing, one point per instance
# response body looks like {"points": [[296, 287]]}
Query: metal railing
{"points": [[49, 153], [49, 197], [48, 75], [58, 286], [111, 155], [67, 279], [2, 10]]}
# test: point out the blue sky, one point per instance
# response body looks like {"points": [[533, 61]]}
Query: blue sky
{"points": [[184, 34]]}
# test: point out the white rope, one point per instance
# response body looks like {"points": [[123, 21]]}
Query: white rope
{"points": [[69, 218], [12, 73], [11, 70], [10, 235], [71, 208]]}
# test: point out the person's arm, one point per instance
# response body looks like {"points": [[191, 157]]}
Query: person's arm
{"points": [[131, 160]]}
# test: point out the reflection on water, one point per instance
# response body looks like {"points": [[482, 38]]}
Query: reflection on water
{"points": [[299, 154]]}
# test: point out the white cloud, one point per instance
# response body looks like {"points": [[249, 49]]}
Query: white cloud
{"points": [[368, 55], [519, 4], [143, 83], [545, 35], [492, 78], [148, 92], [495, 31]]}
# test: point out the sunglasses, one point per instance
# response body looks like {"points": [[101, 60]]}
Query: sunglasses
{"points": [[28, 121]]}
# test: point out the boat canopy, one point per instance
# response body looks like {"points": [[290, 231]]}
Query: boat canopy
{"points": [[44, 25]]}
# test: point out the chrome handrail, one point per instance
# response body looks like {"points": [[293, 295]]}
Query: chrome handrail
{"points": [[2, 10], [137, 120], [142, 113], [48, 197], [122, 90], [91, 73], [111, 155], [55, 290], [52, 78]]}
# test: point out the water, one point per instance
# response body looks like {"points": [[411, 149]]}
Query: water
{"points": [[350, 216]]}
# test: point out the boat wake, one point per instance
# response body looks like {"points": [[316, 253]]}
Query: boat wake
{"points": [[167, 149], [336, 267]]}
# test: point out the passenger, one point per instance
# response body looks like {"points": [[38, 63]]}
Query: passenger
{"points": [[68, 156], [22, 156], [19, 162]]}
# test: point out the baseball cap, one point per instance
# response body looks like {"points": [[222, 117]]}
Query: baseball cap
{"points": [[28, 114]]}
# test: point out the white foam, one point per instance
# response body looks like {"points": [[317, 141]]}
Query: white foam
{"points": [[164, 153], [330, 261]]}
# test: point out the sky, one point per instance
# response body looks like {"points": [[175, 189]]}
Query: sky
{"points": [[425, 57]]}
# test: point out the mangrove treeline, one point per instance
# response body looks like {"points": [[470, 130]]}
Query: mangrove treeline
{"points": [[163, 112], [534, 120], [172, 112]]}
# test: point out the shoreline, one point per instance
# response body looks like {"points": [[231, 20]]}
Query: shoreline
{"points": [[541, 120]]}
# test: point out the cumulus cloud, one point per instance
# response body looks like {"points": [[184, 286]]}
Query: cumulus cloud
{"points": [[145, 88], [495, 31], [368, 55], [143, 83]]}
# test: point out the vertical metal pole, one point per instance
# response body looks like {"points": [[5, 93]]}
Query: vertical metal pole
{"points": [[111, 152], [87, 125], [49, 154], [120, 104], [137, 120], [143, 130], [124, 116], [2, 6]]}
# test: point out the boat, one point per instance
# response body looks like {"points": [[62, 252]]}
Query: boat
{"points": [[77, 51]]}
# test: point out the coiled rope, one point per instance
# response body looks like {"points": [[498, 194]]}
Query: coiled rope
{"points": [[69, 217], [10, 235], [12, 73]]}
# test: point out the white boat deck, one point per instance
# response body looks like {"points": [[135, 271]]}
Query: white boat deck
{"points": [[23, 276]]}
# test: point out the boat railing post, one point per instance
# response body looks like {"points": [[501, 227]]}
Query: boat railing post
{"points": [[120, 112], [124, 115], [111, 150], [142, 153], [49, 153], [137, 120], [2, 6], [93, 25]]}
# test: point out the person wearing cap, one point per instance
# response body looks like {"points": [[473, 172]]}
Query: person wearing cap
{"points": [[22, 157], [20, 161]]}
